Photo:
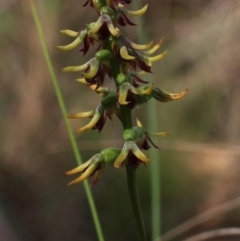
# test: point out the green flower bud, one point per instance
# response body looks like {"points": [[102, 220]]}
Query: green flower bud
{"points": [[103, 54], [110, 154], [139, 132], [121, 78], [129, 135]]}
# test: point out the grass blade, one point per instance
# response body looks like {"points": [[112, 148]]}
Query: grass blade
{"points": [[64, 113]]}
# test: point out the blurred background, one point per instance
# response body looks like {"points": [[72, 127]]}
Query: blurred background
{"points": [[199, 160]]}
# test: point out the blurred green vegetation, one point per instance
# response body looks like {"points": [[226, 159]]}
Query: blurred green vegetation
{"points": [[199, 160]]}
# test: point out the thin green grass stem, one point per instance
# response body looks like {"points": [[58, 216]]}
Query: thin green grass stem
{"points": [[64, 113], [152, 118]]}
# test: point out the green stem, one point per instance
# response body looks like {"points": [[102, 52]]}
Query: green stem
{"points": [[135, 202], [126, 119], [155, 180], [64, 113]]}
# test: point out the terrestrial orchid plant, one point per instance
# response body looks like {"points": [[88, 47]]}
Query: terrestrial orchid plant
{"points": [[124, 62]]}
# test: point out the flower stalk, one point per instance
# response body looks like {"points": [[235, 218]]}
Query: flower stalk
{"points": [[125, 62]]}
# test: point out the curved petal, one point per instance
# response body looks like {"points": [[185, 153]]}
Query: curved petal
{"points": [[81, 115], [96, 26], [138, 153], [154, 48], [122, 94], [165, 96], [141, 46], [94, 66], [76, 68], [124, 53], [138, 12], [69, 33], [111, 28], [121, 158], [89, 171], [123, 155], [75, 43], [82, 80], [79, 168], [97, 114], [158, 57], [143, 90]]}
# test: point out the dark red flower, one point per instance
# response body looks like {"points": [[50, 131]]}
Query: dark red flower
{"points": [[102, 120], [99, 78], [87, 42], [98, 118]]}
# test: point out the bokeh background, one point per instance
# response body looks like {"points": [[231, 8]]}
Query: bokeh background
{"points": [[199, 160]]}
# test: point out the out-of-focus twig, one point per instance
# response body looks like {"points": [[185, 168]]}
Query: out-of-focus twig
{"points": [[201, 218], [215, 234]]}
